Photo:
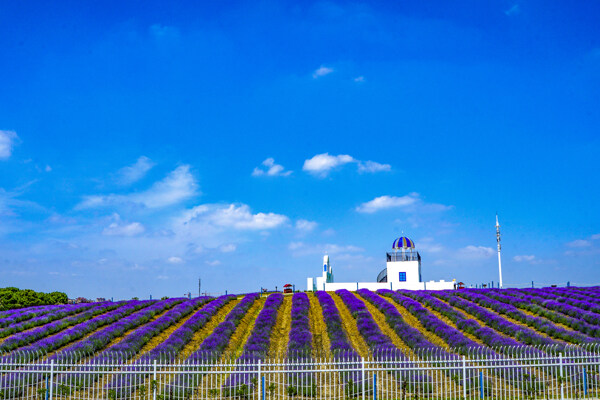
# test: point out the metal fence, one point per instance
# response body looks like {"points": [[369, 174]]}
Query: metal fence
{"points": [[569, 372]]}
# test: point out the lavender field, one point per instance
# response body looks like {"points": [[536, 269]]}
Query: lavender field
{"points": [[308, 326]]}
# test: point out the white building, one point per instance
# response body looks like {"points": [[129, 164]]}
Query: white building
{"points": [[402, 271]]}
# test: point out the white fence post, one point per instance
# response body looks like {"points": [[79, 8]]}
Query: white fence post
{"points": [[155, 383], [363, 377], [562, 386], [464, 380], [51, 378], [259, 381]]}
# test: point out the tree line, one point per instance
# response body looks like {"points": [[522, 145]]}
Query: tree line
{"points": [[12, 297]]}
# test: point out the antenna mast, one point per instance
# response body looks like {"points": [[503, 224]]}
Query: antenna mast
{"points": [[499, 258]]}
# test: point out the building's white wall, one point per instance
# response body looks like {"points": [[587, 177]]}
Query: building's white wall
{"points": [[353, 286], [332, 287], [408, 285], [309, 284], [439, 285], [410, 267], [373, 286]]}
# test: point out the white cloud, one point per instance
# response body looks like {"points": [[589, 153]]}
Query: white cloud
{"points": [[596, 236], [271, 169], [410, 202], [48, 168], [476, 252], [386, 202], [116, 229], [174, 260], [7, 141], [135, 172], [359, 79], [228, 248], [304, 225], [372, 166], [176, 187], [579, 243], [322, 164], [233, 216], [322, 71], [303, 249], [213, 263], [522, 258]]}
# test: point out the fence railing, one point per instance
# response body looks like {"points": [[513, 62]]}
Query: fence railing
{"points": [[568, 372]]}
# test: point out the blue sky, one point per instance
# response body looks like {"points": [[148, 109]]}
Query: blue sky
{"points": [[145, 144]]}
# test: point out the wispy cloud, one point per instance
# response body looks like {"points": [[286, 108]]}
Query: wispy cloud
{"points": [[132, 229], [133, 173], [270, 168], [476, 252], [232, 216], [524, 258], [359, 79], [303, 249], [7, 141], [305, 226], [514, 10], [372, 167], [322, 71], [175, 260], [410, 202], [322, 164], [176, 187], [386, 202], [579, 243]]}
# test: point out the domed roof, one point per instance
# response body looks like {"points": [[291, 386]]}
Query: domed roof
{"points": [[403, 243]]}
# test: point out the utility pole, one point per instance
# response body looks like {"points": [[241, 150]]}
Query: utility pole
{"points": [[499, 257], [199, 287]]}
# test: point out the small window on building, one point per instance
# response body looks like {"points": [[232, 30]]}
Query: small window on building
{"points": [[402, 277]]}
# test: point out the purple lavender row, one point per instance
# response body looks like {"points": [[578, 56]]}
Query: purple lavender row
{"points": [[30, 336], [16, 311], [520, 333], [300, 338], [134, 341], [78, 331], [455, 338], [52, 315], [592, 291], [119, 326], [101, 338], [212, 347], [339, 344], [365, 323], [557, 312], [571, 294], [527, 335], [123, 386], [410, 335], [217, 341], [257, 345], [43, 346], [487, 335], [381, 345], [25, 315], [578, 308], [543, 307]]}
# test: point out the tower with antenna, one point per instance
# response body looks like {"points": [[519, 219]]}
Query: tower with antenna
{"points": [[499, 257]]}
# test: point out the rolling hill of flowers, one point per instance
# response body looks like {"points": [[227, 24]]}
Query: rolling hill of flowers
{"points": [[324, 323]]}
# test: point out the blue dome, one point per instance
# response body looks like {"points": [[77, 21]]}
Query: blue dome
{"points": [[403, 243]]}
